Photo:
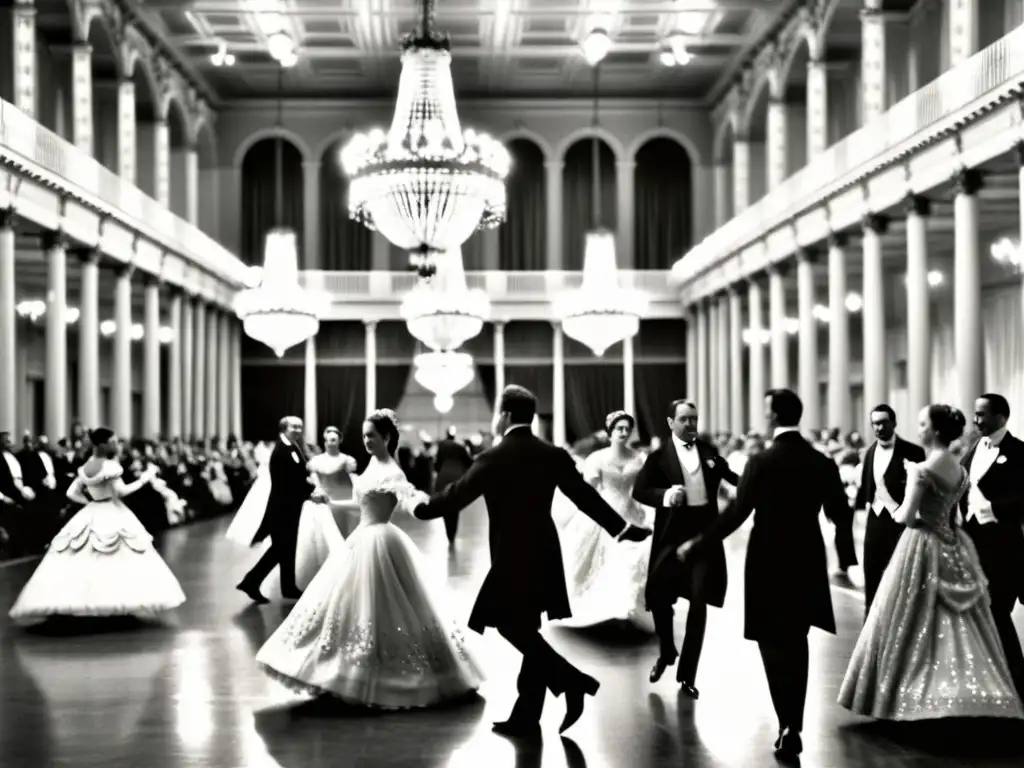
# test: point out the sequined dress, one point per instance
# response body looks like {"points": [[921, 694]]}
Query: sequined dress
{"points": [[366, 630], [101, 563], [606, 578], [929, 648]]}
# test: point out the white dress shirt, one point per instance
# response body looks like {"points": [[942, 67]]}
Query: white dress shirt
{"points": [[50, 481], [883, 500], [689, 460], [985, 456], [14, 466]]}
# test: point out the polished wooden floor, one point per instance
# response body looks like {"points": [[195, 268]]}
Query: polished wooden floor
{"points": [[187, 694]]}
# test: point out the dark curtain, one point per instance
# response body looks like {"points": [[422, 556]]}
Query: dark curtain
{"points": [[523, 237], [539, 379], [341, 403], [259, 187], [656, 385], [345, 244], [663, 212], [488, 381], [592, 391], [392, 381], [578, 198], [270, 392]]}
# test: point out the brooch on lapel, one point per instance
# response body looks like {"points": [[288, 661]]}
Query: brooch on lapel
{"points": [[1001, 460], [710, 463]]}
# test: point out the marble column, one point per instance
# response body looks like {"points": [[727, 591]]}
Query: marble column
{"points": [[188, 367], [817, 109], [873, 69], [628, 380], [964, 30], [710, 405], [777, 326], [81, 99], [625, 183], [311, 215], [56, 368], [199, 374], [371, 366], [127, 156], [558, 386], [703, 360], [755, 309], [175, 374], [722, 194], [777, 142], [691, 352], [213, 363], [25, 63], [236, 378], [740, 175], [8, 326], [121, 391], [722, 368], [736, 401], [224, 376], [192, 186], [553, 198], [499, 360], [840, 407], [967, 327], [151, 394], [919, 330], [309, 410], [89, 339], [875, 360], [807, 373]]}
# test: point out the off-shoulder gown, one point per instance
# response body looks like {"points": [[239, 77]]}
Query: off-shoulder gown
{"points": [[929, 648], [365, 630]]}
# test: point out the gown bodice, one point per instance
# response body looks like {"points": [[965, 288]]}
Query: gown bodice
{"points": [[937, 499], [615, 480], [380, 474], [332, 474], [100, 486]]}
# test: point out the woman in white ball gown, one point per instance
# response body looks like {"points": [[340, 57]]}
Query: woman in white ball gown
{"points": [[365, 630], [319, 534], [606, 578], [102, 562]]}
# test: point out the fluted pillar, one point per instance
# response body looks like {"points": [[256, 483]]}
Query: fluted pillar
{"points": [[625, 182], [81, 99], [56, 389], [875, 360], [371, 366], [777, 143], [722, 368], [162, 162], [89, 339], [199, 373], [873, 67], [703, 358], [817, 109], [964, 29], [8, 326], [192, 185], [840, 408], [628, 373], [236, 378], [919, 331], [499, 359], [755, 308], [311, 214], [967, 329], [121, 397], [558, 396], [213, 363], [224, 376], [807, 374], [691, 352], [736, 401], [188, 367], [777, 326], [24, 63], [710, 405], [151, 394], [309, 410], [553, 191], [175, 373], [740, 175], [127, 157], [722, 194]]}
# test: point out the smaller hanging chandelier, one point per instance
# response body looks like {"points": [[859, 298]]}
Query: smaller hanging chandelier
{"points": [[444, 374], [441, 311]]}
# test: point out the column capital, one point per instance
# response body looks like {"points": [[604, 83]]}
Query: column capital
{"points": [[736, 289], [967, 182], [124, 270], [499, 326], [809, 255], [754, 281], [629, 164], [837, 239], [53, 239], [87, 254], [917, 205], [554, 165], [371, 325], [779, 268], [875, 222], [151, 281]]}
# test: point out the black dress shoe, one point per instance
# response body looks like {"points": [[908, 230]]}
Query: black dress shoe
{"points": [[789, 744], [688, 689], [659, 668], [513, 729], [292, 596], [253, 593], [574, 700]]}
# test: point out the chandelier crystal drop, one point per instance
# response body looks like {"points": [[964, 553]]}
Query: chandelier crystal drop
{"points": [[441, 311], [600, 313], [426, 185], [278, 312], [443, 373]]}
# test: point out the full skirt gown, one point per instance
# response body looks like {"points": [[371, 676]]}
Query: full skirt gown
{"points": [[366, 631], [101, 563]]}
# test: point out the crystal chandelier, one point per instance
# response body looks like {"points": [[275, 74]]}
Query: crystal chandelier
{"points": [[426, 185], [444, 374], [441, 311]]}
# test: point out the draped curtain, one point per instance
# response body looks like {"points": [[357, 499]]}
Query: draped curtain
{"points": [[578, 197], [345, 244], [522, 238], [592, 391], [341, 403], [270, 392], [656, 385], [488, 381], [539, 379], [663, 212], [259, 189], [392, 381]]}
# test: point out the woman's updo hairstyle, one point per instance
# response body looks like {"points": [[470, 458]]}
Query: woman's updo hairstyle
{"points": [[385, 422], [100, 435], [948, 422], [333, 431], [613, 418]]}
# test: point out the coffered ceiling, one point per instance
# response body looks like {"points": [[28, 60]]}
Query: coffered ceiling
{"points": [[350, 48]]}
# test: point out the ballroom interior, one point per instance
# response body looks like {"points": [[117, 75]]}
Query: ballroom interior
{"points": [[660, 199]]}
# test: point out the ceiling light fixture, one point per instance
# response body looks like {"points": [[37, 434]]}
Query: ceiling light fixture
{"points": [[596, 46], [677, 49], [1007, 251], [222, 58]]}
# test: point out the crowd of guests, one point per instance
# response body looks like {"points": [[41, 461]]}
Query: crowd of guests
{"points": [[195, 480]]}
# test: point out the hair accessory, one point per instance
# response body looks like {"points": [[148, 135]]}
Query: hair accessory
{"points": [[388, 414], [614, 417]]}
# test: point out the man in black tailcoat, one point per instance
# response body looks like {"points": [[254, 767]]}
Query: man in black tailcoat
{"points": [[290, 486], [883, 485], [450, 464], [517, 479], [680, 479], [993, 514], [786, 583]]}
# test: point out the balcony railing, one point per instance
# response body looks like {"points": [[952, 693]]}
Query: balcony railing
{"points": [[999, 65], [23, 139], [500, 286]]}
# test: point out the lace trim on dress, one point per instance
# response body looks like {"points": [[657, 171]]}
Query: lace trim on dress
{"points": [[109, 471]]}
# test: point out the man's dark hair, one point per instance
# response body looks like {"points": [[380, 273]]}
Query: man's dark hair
{"points": [[786, 405], [674, 406], [887, 410], [519, 403], [998, 404]]}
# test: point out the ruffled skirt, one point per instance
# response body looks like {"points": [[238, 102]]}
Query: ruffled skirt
{"points": [[101, 563], [929, 648], [367, 632]]}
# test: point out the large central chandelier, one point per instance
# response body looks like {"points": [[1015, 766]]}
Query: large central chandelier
{"points": [[441, 311], [444, 374], [426, 185]]}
